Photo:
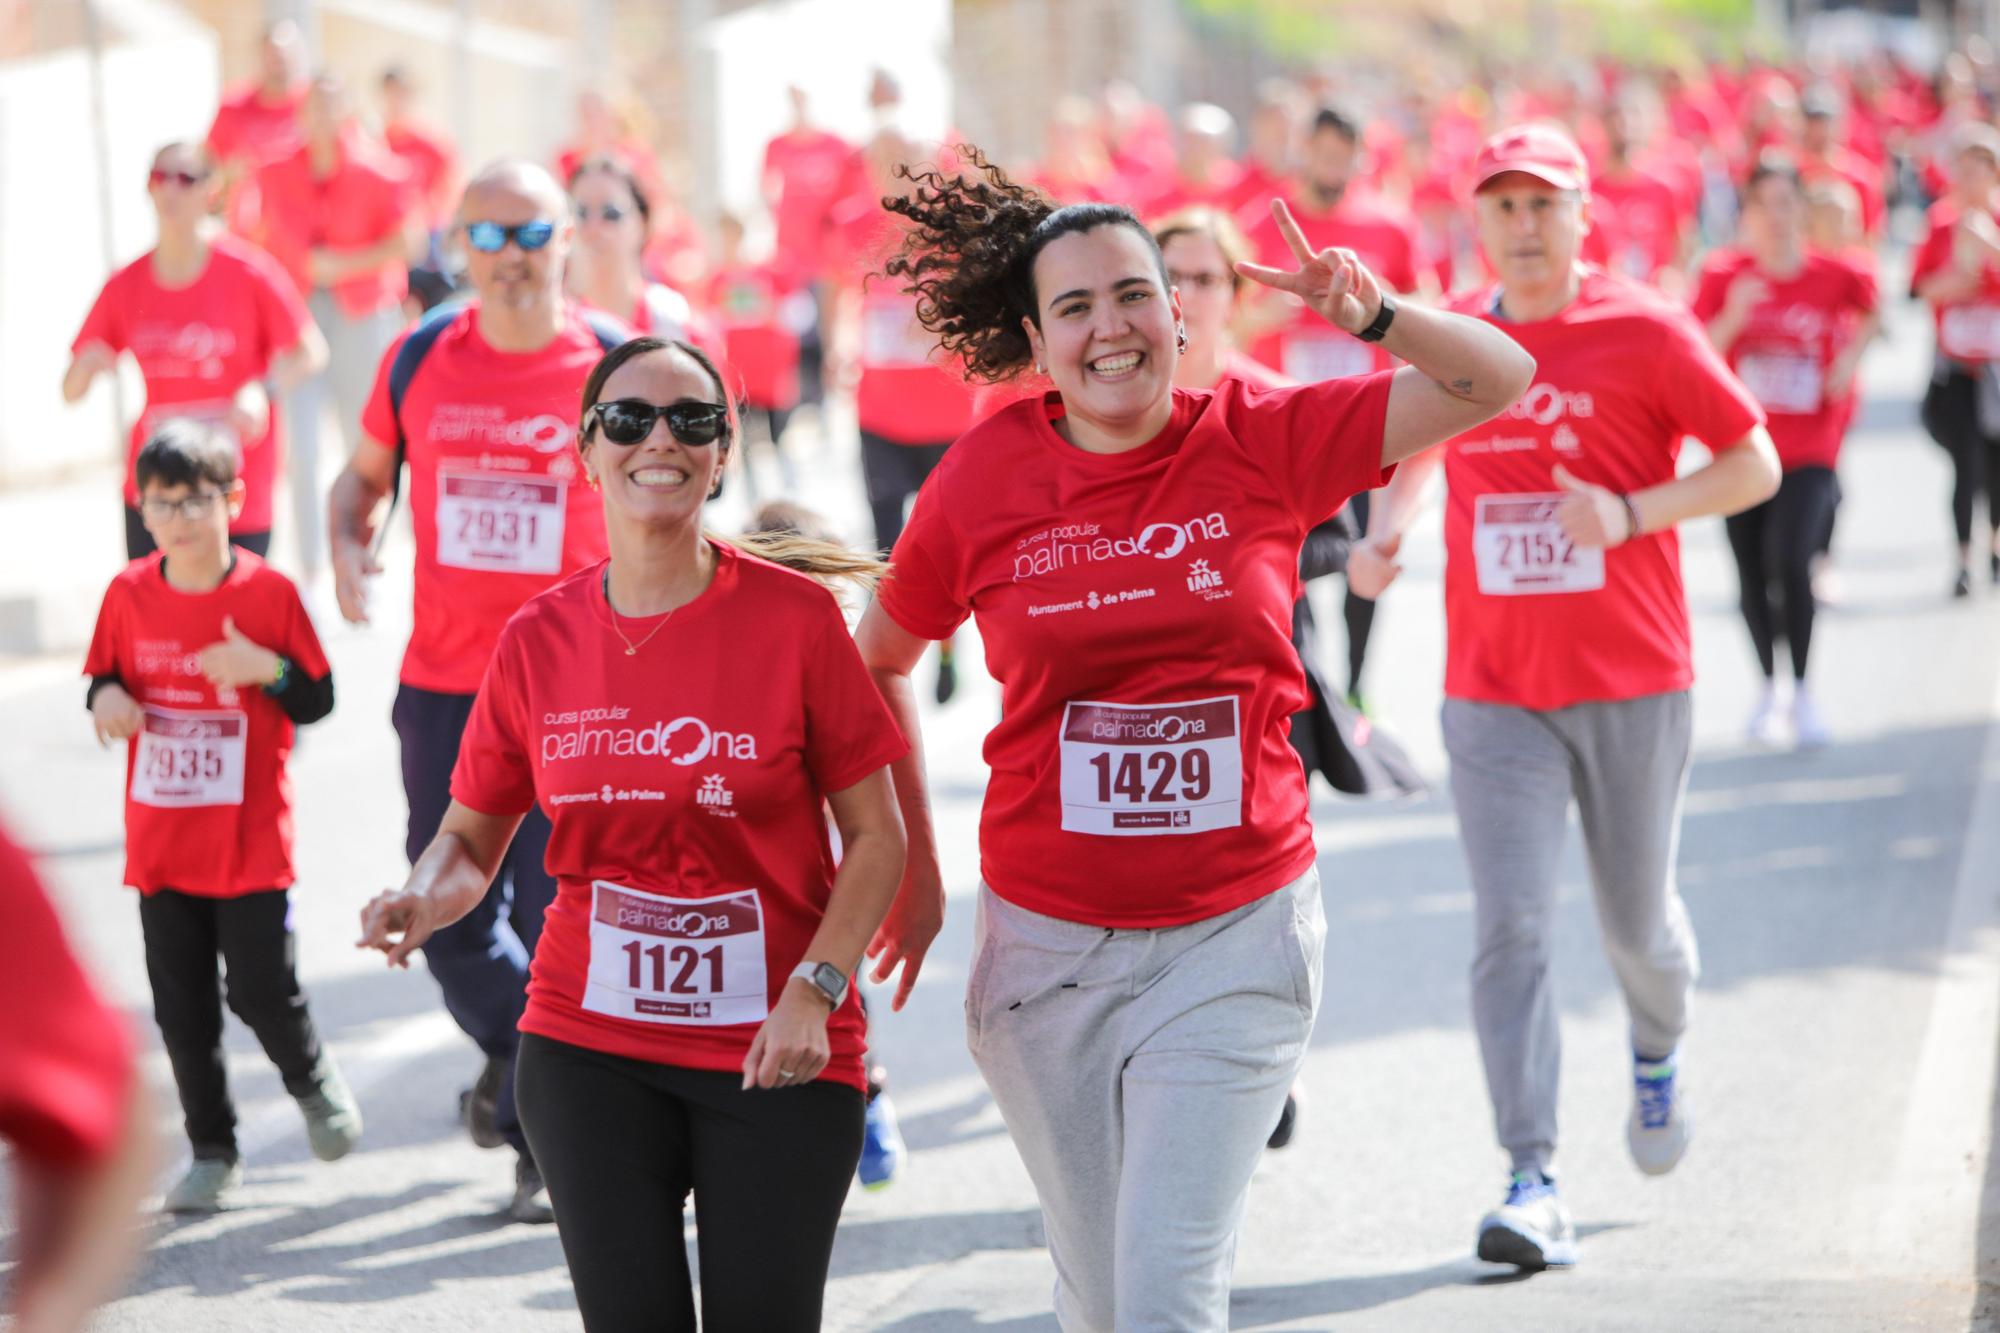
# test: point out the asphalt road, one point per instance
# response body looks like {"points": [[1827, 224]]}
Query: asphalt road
{"points": [[1841, 1063]]}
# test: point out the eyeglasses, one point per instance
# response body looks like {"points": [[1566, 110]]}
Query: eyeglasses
{"points": [[609, 212], [490, 238], [629, 421], [191, 508], [187, 180], [1201, 282]]}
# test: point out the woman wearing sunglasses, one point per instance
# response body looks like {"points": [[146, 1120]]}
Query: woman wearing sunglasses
{"points": [[680, 711], [210, 320], [1146, 965], [607, 268]]}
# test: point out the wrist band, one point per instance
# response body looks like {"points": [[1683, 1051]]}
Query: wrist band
{"points": [[1631, 516], [276, 685]]}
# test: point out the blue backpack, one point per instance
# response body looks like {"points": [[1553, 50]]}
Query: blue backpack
{"points": [[411, 355]]}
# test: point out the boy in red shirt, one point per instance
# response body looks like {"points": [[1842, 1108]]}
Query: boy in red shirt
{"points": [[204, 661]]}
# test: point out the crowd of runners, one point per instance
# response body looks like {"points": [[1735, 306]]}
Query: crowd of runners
{"points": [[666, 788]]}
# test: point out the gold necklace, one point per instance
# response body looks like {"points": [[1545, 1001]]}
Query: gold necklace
{"points": [[631, 648]]}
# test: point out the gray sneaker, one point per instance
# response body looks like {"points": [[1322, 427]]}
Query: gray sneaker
{"points": [[531, 1196], [1531, 1230], [206, 1186], [1661, 1124], [333, 1117]]}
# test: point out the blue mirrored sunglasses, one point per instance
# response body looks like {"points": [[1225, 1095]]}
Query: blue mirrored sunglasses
{"points": [[490, 238]]}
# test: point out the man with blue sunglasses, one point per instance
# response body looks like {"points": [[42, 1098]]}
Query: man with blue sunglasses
{"points": [[480, 400]]}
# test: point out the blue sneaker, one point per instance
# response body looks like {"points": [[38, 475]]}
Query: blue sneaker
{"points": [[1661, 1126], [1531, 1230], [882, 1149]]}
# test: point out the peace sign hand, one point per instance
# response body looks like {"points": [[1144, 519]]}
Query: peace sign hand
{"points": [[1333, 281]]}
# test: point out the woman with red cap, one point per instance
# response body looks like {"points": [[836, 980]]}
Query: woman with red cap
{"points": [[1568, 666]]}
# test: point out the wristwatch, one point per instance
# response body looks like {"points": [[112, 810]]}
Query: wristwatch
{"points": [[1383, 319], [828, 980], [276, 684]]}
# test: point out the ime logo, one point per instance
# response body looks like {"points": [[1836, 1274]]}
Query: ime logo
{"points": [[714, 793], [1201, 577]]}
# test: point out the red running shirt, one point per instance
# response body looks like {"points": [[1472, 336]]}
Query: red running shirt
{"points": [[1968, 329], [208, 804], [812, 170], [748, 302], [684, 786], [908, 391], [1646, 221], [363, 202], [1310, 349], [497, 500], [1137, 612], [1621, 376], [197, 345], [65, 1058], [1788, 343]]}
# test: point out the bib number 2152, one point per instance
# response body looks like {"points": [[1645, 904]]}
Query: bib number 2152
{"points": [[1137, 769]]}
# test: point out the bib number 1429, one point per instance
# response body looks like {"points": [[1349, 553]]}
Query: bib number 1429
{"points": [[1138, 769]]}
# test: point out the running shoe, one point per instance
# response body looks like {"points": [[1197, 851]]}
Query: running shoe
{"points": [[1660, 1127], [1993, 568], [1962, 585], [1357, 703], [479, 1106], [333, 1117], [1808, 728], [1762, 728], [531, 1197], [206, 1186], [882, 1149], [1288, 1121], [1531, 1230]]}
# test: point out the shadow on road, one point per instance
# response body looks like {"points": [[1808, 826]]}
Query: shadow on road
{"points": [[893, 1244]]}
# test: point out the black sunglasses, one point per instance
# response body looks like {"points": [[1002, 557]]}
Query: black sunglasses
{"points": [[629, 421], [609, 212]]}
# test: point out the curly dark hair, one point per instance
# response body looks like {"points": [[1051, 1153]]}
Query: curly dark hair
{"points": [[969, 257]]}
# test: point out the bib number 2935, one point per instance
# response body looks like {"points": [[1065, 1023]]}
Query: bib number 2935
{"points": [[1137, 769], [676, 960]]}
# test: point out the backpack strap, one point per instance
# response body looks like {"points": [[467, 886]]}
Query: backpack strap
{"points": [[402, 370]]}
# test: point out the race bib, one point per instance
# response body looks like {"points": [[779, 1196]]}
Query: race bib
{"points": [[1314, 358], [210, 412], [676, 960], [1135, 769], [1520, 548], [1783, 382], [1970, 332], [891, 336], [190, 759], [498, 522]]}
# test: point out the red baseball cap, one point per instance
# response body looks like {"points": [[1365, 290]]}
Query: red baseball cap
{"points": [[1539, 149]]}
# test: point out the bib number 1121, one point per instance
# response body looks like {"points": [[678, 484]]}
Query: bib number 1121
{"points": [[649, 963]]}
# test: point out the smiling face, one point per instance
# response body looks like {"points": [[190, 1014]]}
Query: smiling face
{"points": [[1107, 328], [658, 481], [1530, 230]]}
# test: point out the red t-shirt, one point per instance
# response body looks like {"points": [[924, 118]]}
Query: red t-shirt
{"points": [[812, 171], [1647, 222], [1787, 344], [1137, 612], [908, 392], [362, 203], [428, 157], [208, 804], [684, 789], [255, 133], [1312, 349], [497, 503], [1842, 164], [197, 345], [65, 1056], [1622, 375], [748, 301], [1222, 190], [1968, 330]]}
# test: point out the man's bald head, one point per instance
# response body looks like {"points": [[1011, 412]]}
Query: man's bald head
{"points": [[508, 183], [512, 193]]}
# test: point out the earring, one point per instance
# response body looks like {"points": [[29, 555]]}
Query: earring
{"points": [[590, 480], [1039, 370], [1180, 336]]}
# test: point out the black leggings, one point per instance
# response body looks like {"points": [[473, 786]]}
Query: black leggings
{"points": [[1775, 543], [894, 472], [139, 542], [1358, 612], [621, 1142], [1951, 415]]}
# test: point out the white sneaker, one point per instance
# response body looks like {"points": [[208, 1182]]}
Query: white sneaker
{"points": [[1762, 729], [1660, 1127], [1808, 729], [1531, 1230]]}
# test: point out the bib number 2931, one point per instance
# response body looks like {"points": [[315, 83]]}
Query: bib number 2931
{"points": [[676, 960], [1137, 769], [1520, 549], [512, 525]]}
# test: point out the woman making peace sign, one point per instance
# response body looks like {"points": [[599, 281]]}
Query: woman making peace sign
{"points": [[1147, 963]]}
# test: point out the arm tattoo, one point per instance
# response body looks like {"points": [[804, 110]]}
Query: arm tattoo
{"points": [[1458, 388]]}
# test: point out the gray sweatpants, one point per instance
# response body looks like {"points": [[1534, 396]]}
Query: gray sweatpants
{"points": [[1513, 774], [1140, 1073], [355, 345]]}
